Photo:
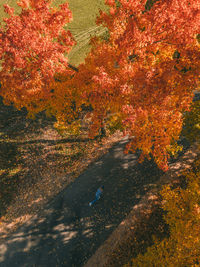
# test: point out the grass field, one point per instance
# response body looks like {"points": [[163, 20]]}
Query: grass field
{"points": [[82, 27]]}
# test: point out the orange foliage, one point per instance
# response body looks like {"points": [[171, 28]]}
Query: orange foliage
{"points": [[146, 72], [32, 49], [65, 101]]}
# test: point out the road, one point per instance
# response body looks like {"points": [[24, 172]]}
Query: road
{"points": [[68, 231]]}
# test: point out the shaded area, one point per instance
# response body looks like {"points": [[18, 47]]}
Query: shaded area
{"points": [[18, 156], [70, 231], [28, 148], [140, 238]]}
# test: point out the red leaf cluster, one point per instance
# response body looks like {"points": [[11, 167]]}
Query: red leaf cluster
{"points": [[34, 45], [147, 71]]}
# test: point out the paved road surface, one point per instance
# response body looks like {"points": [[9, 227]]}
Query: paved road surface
{"points": [[70, 231]]}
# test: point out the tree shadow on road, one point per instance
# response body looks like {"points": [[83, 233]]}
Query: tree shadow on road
{"points": [[68, 231], [30, 152]]}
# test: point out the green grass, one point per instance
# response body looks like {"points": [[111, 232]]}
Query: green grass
{"points": [[82, 27], [12, 3]]}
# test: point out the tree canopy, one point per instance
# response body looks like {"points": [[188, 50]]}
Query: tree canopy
{"points": [[146, 72], [142, 76], [33, 45]]}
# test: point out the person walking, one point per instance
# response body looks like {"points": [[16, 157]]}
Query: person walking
{"points": [[97, 195]]}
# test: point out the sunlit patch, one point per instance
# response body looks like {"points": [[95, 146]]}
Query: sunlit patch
{"points": [[3, 250], [137, 196], [138, 206], [118, 153], [88, 233], [14, 171], [99, 163], [16, 239], [119, 149], [49, 211], [152, 197], [124, 141], [31, 243], [129, 164], [68, 235], [35, 201], [2, 172], [62, 217], [125, 165], [180, 165], [61, 227], [109, 226], [20, 219]]}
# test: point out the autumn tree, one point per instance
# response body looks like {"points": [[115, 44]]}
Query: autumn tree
{"points": [[146, 72], [139, 79], [33, 48]]}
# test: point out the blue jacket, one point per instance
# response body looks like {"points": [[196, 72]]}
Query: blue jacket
{"points": [[98, 193]]}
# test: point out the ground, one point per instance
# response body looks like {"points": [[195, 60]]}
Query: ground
{"points": [[67, 232], [36, 163]]}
